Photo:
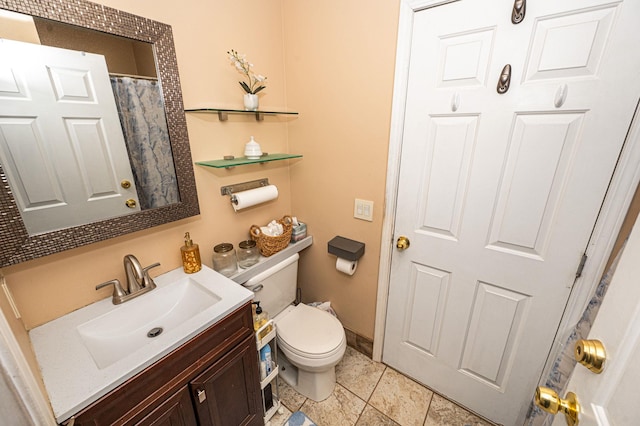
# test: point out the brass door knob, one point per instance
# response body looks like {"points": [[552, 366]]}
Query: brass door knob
{"points": [[403, 243], [131, 203], [591, 354], [126, 184], [549, 401]]}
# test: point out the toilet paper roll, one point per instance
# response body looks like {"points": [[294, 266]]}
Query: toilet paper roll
{"points": [[346, 266], [244, 199]]}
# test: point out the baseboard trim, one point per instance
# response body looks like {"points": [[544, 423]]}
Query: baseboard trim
{"points": [[359, 343]]}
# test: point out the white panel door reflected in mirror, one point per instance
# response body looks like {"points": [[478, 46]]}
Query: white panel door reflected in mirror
{"points": [[61, 141]]}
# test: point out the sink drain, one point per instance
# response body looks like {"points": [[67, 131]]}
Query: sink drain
{"points": [[154, 332]]}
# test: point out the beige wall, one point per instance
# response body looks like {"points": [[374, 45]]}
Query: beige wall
{"points": [[340, 58], [14, 26], [330, 61]]}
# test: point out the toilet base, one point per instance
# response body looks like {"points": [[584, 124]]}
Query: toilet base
{"points": [[317, 386]]}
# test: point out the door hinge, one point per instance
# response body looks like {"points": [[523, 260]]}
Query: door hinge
{"points": [[581, 265]]}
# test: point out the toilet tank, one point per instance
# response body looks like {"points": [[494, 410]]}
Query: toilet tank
{"points": [[275, 288]]}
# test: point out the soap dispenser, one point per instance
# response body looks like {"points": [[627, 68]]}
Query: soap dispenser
{"points": [[260, 318], [190, 255]]}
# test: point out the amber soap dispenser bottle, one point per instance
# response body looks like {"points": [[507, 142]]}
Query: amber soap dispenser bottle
{"points": [[190, 256]]}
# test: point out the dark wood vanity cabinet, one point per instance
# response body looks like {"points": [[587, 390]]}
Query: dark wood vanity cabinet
{"points": [[177, 410], [210, 380], [224, 395]]}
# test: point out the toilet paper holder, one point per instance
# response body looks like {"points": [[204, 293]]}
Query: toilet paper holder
{"points": [[244, 186], [346, 248]]}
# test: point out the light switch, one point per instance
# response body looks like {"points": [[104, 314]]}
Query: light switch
{"points": [[363, 209]]}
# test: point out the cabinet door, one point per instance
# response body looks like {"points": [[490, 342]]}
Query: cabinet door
{"points": [[228, 392], [175, 411]]}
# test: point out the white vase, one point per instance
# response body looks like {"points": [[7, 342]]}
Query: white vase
{"points": [[250, 102]]}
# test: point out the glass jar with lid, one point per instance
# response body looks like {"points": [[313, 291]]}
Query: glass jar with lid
{"points": [[248, 254], [224, 259]]}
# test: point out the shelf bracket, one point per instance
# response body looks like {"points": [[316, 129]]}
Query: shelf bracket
{"points": [[244, 186], [224, 115]]}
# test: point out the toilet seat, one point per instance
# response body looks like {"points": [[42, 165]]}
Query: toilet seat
{"points": [[310, 333]]}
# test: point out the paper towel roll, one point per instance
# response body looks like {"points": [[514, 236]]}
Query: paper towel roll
{"points": [[346, 266], [244, 199]]}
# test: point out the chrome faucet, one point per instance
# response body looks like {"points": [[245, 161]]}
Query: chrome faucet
{"points": [[134, 273], [138, 281]]}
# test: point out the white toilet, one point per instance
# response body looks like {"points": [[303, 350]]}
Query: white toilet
{"points": [[310, 341]]}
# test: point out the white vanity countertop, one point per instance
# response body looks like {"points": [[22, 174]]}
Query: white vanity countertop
{"points": [[72, 378]]}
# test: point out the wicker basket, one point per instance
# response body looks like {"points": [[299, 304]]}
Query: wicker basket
{"points": [[269, 245]]}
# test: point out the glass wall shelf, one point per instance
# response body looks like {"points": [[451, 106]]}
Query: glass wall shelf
{"points": [[223, 113], [241, 161]]}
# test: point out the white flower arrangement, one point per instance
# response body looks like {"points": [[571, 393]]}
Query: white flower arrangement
{"points": [[256, 81]]}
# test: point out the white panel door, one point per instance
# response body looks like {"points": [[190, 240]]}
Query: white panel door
{"points": [[498, 193], [61, 143], [611, 397]]}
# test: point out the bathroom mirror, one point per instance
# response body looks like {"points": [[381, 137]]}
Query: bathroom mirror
{"points": [[18, 245]]}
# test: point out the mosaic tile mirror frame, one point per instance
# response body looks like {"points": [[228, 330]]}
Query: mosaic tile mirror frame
{"points": [[15, 242]]}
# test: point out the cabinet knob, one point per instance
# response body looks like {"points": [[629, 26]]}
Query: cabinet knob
{"points": [[202, 395]]}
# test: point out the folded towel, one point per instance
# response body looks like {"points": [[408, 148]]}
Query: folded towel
{"points": [[273, 229]]}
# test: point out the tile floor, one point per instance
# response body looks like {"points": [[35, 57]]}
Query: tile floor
{"points": [[369, 393]]}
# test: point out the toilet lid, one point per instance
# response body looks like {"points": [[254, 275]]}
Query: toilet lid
{"points": [[310, 330]]}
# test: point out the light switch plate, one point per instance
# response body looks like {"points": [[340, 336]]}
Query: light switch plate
{"points": [[363, 209]]}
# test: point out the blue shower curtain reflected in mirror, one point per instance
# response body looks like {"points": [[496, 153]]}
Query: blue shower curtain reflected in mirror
{"points": [[145, 131]]}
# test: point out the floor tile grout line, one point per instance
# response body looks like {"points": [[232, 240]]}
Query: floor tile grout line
{"points": [[366, 402], [376, 387], [426, 415], [352, 393]]}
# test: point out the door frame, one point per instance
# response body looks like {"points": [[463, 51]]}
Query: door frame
{"points": [[616, 203], [31, 403]]}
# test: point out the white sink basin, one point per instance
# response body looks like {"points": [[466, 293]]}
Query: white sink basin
{"points": [[127, 328]]}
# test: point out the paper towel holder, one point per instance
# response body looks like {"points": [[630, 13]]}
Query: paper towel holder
{"points": [[346, 248], [244, 186]]}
